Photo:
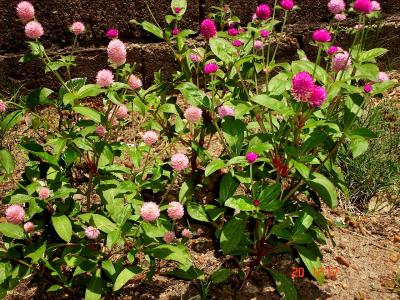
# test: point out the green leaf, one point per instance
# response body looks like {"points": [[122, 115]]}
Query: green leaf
{"points": [[38, 253], [196, 211], [150, 27], [103, 224], [220, 276], [233, 232], [177, 253], [273, 104], [312, 261], [303, 222], [125, 275], [234, 133], [223, 49], [7, 161], [359, 145], [284, 285], [11, 120], [242, 203], [39, 96], [12, 231], [308, 66], [227, 187], [213, 166], [193, 95], [279, 84], [88, 112], [269, 198], [302, 169], [370, 55], [95, 286], [63, 227], [367, 71], [324, 187], [38, 151], [186, 191], [90, 90], [364, 132]]}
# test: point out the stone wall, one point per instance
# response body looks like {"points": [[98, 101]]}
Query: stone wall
{"points": [[147, 52]]}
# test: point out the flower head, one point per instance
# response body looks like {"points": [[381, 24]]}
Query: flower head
{"points": [[104, 78], [78, 28], [208, 29], [15, 214], [150, 137], [340, 17], [263, 12], [122, 112], [233, 31], [341, 61], [363, 6], [150, 211], [195, 57], [179, 161], [92, 233], [376, 6], [34, 30], [100, 130], [3, 106], [29, 226], [256, 202], [237, 43], [322, 36], [332, 50], [25, 11], [177, 10], [280, 167], [210, 68], [302, 86], [193, 114], [112, 33], [187, 233], [382, 76], [336, 6], [116, 52], [169, 237], [287, 4], [368, 88], [175, 210], [251, 157], [318, 96], [175, 31], [134, 82], [226, 111], [44, 192], [264, 33], [258, 45]]}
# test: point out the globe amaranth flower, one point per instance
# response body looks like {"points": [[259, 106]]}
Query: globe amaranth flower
{"points": [[122, 112], [264, 33], [29, 226], [376, 6], [101, 131], [318, 96], [15, 214], [78, 28], [226, 111], [112, 33], [256, 202], [251, 157], [150, 211], [175, 210], [302, 86], [382, 76], [3, 106], [116, 52], [195, 57], [92, 233], [44, 192], [258, 45], [340, 17], [233, 31], [134, 82], [104, 78], [177, 10], [332, 50], [368, 88], [175, 31], [25, 11], [341, 61], [237, 43], [263, 12], [336, 6], [150, 137], [187, 233], [363, 6], [287, 4], [208, 29], [322, 36], [34, 30], [169, 237], [179, 161], [193, 114], [210, 68]]}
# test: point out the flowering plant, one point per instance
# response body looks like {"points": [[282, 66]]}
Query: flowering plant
{"points": [[276, 128]]}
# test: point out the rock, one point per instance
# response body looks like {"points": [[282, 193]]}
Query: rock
{"points": [[341, 260]]}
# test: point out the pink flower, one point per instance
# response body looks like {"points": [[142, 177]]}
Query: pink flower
{"points": [[358, 27], [256, 202], [3, 106], [226, 111], [187, 233], [193, 114], [368, 88], [302, 86], [175, 210], [233, 31], [15, 214], [210, 68], [112, 33], [258, 45], [251, 157], [332, 50], [122, 112], [322, 36], [363, 6], [150, 211], [169, 237], [134, 82], [150, 137], [318, 96], [78, 28], [116, 52], [29, 227], [177, 10], [44, 192], [175, 31], [208, 29], [336, 6], [34, 30], [340, 17], [287, 4], [92, 233], [264, 33], [195, 57], [237, 43], [263, 12], [341, 61], [179, 162], [382, 76], [104, 78], [25, 11], [100, 131], [376, 6]]}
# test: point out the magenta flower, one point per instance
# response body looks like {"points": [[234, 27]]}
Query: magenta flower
{"points": [[101, 131], [92, 233], [382, 76], [336, 6], [44, 193], [340, 17], [175, 210], [116, 52], [368, 88], [363, 6], [302, 86], [78, 28], [258, 45], [226, 111], [341, 61], [187, 233], [25, 11], [251, 157], [175, 31], [195, 57], [179, 161], [264, 33], [208, 29], [134, 82], [29, 226], [332, 50], [112, 33], [318, 96], [177, 10], [150, 211], [122, 112], [210, 68], [263, 12], [287, 4], [376, 6], [150, 137], [3, 106], [237, 43], [15, 214], [169, 237], [104, 78], [233, 31], [256, 202], [322, 36], [34, 30], [193, 114]]}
